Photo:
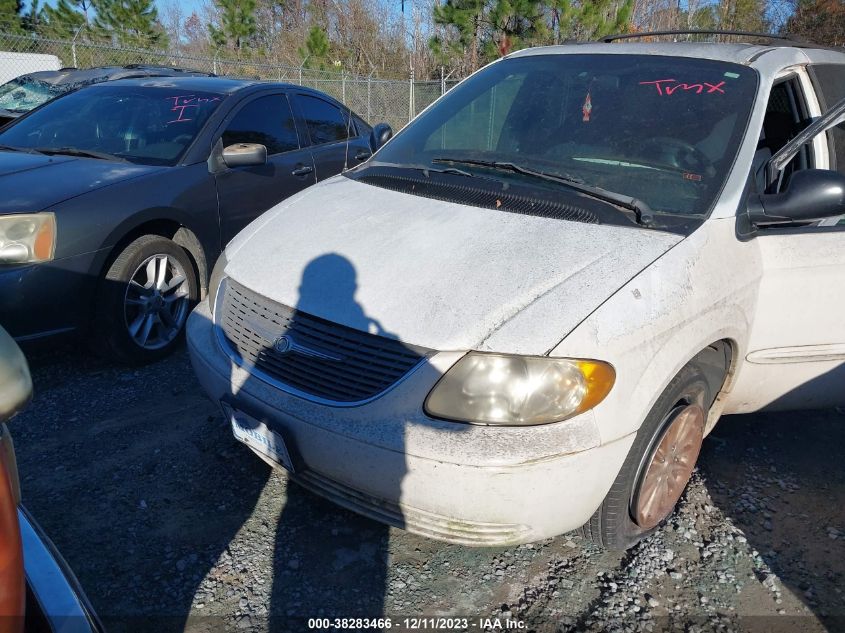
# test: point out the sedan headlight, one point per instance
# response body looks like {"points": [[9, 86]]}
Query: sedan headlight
{"points": [[27, 238], [518, 390]]}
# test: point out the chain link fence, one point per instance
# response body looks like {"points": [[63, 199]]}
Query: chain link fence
{"points": [[394, 101]]}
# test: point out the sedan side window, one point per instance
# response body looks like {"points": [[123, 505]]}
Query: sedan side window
{"points": [[829, 80], [326, 122], [266, 120]]}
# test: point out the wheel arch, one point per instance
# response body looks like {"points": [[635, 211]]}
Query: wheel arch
{"points": [[164, 225]]}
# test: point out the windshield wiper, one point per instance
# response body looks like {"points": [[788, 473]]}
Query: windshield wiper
{"points": [[11, 148], [75, 151], [644, 214], [425, 169]]}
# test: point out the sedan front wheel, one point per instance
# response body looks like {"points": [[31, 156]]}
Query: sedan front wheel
{"points": [[144, 300]]}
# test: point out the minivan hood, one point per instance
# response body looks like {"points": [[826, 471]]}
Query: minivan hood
{"points": [[437, 274], [34, 182]]}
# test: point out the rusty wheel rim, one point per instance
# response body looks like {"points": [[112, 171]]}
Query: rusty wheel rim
{"points": [[670, 466]]}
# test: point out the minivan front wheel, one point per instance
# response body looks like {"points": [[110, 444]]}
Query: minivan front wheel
{"points": [[145, 299], [658, 466]]}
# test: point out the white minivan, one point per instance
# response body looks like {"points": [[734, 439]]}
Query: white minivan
{"points": [[524, 313]]}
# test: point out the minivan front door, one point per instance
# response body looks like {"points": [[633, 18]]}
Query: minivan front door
{"points": [[796, 351], [244, 193]]}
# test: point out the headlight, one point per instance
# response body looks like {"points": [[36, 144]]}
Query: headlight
{"points": [[518, 390], [27, 238], [215, 279]]}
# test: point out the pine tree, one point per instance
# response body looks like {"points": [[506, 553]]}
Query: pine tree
{"points": [[65, 19], [237, 23], [10, 16], [316, 50], [35, 18], [130, 22]]}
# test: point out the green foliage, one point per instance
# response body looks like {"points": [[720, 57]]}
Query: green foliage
{"points": [[64, 19], [130, 22], [237, 23], [35, 18], [10, 16], [316, 50], [485, 29], [603, 17]]}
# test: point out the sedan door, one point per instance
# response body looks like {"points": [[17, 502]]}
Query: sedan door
{"points": [[335, 142], [247, 192]]}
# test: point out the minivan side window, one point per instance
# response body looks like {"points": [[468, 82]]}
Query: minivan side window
{"points": [[786, 115], [266, 120], [326, 122], [829, 81]]}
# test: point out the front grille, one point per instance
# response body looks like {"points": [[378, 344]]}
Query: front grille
{"points": [[328, 361]]}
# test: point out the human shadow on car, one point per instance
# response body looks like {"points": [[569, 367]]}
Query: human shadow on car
{"points": [[328, 562], [778, 476]]}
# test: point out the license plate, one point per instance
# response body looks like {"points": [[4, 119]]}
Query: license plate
{"points": [[258, 436]]}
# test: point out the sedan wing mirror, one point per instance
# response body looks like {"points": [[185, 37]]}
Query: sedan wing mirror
{"points": [[811, 194], [245, 155], [381, 133]]}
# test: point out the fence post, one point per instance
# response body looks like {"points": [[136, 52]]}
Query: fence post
{"points": [[300, 68], [214, 62], [369, 95], [343, 85], [411, 96], [73, 45], [442, 82]]}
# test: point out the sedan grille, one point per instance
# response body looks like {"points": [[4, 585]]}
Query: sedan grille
{"points": [[308, 355]]}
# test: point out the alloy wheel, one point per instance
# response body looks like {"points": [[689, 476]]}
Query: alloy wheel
{"points": [[156, 302], [670, 466]]}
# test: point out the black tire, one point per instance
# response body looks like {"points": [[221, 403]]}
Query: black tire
{"points": [[613, 525], [110, 331]]}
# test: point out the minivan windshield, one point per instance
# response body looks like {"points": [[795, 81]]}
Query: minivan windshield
{"points": [[661, 130], [139, 124]]}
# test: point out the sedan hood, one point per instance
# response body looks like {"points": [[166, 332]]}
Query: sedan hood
{"points": [[34, 182], [437, 274]]}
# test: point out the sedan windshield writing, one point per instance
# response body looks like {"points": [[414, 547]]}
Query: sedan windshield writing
{"points": [[148, 125], [657, 129]]}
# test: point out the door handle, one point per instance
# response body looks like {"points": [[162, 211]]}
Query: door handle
{"points": [[302, 171], [363, 154]]}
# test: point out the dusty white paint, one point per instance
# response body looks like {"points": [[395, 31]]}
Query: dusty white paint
{"points": [[456, 278]]}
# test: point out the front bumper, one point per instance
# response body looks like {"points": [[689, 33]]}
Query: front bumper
{"points": [[55, 598], [47, 299], [473, 485]]}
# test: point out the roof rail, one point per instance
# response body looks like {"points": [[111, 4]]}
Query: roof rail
{"points": [[769, 36]]}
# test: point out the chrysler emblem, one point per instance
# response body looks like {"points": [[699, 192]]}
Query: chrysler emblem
{"points": [[283, 344], [286, 344]]}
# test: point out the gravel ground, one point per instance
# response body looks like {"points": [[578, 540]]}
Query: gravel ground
{"points": [[171, 525]]}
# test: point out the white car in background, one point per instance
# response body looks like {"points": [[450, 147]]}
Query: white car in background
{"points": [[16, 64], [526, 311]]}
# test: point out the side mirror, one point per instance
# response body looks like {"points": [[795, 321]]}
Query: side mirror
{"points": [[811, 194], [245, 155], [381, 133]]}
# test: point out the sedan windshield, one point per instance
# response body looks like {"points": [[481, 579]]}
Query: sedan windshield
{"points": [[148, 125], [658, 131], [23, 94]]}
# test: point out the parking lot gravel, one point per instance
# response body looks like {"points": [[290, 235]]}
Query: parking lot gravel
{"points": [[172, 525]]}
